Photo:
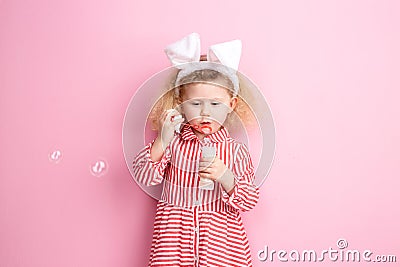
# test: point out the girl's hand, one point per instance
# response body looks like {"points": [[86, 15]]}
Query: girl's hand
{"points": [[211, 168], [167, 126], [216, 170]]}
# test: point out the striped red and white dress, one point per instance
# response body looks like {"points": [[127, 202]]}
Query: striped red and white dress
{"points": [[193, 226]]}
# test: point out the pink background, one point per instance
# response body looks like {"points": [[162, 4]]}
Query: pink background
{"points": [[68, 69]]}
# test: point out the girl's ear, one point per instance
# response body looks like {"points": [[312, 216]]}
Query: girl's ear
{"points": [[233, 103]]}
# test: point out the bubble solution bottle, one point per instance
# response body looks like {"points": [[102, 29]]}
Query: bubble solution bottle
{"points": [[207, 152]]}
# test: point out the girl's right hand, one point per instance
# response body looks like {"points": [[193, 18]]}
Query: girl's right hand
{"points": [[167, 125]]}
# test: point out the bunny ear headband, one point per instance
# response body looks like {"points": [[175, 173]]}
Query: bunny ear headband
{"points": [[223, 57]]}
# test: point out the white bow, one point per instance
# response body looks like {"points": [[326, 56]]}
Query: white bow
{"points": [[188, 50]]}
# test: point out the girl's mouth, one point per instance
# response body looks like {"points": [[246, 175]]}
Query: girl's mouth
{"points": [[204, 127]]}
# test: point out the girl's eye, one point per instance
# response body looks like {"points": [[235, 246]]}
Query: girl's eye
{"points": [[195, 103], [215, 103]]}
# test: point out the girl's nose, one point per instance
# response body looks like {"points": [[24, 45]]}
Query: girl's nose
{"points": [[205, 109]]}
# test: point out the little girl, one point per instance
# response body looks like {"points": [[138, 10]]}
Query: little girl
{"points": [[196, 225]]}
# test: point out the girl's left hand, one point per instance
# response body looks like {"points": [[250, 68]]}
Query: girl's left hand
{"points": [[216, 170], [212, 168]]}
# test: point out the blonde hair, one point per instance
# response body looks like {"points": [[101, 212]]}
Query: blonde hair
{"points": [[173, 97]]}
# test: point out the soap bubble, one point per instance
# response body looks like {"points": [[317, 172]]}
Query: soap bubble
{"points": [[206, 129], [55, 156], [99, 168]]}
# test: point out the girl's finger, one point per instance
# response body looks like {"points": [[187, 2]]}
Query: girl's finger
{"points": [[167, 118], [205, 175], [205, 169], [164, 115], [171, 113], [205, 163], [176, 122], [175, 116], [207, 159], [205, 166]]}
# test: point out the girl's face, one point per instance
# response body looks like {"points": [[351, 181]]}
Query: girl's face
{"points": [[206, 107]]}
